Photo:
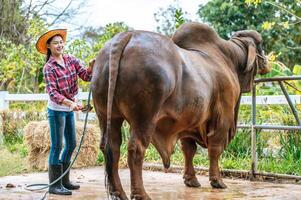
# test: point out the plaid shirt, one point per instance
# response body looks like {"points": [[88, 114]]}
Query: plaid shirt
{"points": [[61, 82]]}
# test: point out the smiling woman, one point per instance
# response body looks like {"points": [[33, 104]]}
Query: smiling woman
{"points": [[61, 73], [49, 41], [56, 47]]}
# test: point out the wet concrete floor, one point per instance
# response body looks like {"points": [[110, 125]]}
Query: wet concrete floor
{"points": [[159, 185]]}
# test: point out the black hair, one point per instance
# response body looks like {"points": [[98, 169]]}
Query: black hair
{"points": [[48, 55]]}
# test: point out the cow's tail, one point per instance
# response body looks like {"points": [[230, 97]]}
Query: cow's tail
{"points": [[117, 46]]}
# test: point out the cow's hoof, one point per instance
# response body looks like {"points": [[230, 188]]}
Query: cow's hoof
{"points": [[117, 196], [140, 197], [192, 182], [218, 184]]}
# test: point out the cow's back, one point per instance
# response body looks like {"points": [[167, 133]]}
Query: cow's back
{"points": [[148, 71]]}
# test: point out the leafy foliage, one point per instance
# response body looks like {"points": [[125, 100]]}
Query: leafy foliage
{"points": [[109, 31], [291, 146], [12, 21], [169, 19], [179, 17], [240, 146], [279, 28], [21, 64], [87, 49]]}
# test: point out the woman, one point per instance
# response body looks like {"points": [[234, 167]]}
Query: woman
{"points": [[60, 74]]}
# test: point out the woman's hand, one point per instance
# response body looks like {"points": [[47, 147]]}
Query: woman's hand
{"points": [[76, 107], [91, 65]]}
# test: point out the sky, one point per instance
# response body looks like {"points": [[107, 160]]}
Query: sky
{"points": [[138, 14]]}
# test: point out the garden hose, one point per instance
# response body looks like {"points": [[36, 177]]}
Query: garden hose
{"points": [[42, 186]]}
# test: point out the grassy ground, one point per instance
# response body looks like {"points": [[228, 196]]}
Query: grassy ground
{"points": [[286, 160], [12, 162]]}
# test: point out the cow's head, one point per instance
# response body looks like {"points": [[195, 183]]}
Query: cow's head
{"points": [[254, 60]]}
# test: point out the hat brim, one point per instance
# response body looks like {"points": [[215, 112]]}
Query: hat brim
{"points": [[41, 44]]}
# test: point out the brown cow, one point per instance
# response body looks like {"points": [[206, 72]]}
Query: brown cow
{"points": [[186, 88]]}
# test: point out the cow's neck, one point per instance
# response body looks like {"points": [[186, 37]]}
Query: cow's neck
{"points": [[238, 54]]}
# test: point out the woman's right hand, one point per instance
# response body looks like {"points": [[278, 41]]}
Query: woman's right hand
{"points": [[76, 107]]}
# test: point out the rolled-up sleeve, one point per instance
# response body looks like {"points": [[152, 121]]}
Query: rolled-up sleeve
{"points": [[81, 71], [52, 87]]}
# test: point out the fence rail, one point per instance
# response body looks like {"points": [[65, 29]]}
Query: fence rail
{"points": [[6, 98]]}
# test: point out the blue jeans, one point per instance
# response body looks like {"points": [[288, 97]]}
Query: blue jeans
{"points": [[61, 124]]}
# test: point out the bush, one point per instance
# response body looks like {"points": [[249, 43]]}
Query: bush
{"points": [[13, 123], [291, 146], [240, 146]]}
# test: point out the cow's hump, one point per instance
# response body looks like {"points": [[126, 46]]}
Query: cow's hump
{"points": [[192, 34]]}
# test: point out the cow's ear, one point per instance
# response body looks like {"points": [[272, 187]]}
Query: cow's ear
{"points": [[251, 58]]}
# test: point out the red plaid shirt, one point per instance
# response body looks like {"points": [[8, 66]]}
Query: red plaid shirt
{"points": [[61, 82]]}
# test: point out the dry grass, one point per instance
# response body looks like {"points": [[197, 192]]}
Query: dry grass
{"points": [[37, 141]]}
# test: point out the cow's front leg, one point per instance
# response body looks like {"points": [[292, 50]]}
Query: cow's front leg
{"points": [[214, 152], [139, 141], [189, 147]]}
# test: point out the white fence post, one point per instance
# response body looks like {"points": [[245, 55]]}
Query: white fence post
{"points": [[4, 104]]}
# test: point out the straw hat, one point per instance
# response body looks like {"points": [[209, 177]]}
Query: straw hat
{"points": [[41, 43]]}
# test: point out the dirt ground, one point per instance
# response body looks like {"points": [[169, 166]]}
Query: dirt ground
{"points": [[159, 185]]}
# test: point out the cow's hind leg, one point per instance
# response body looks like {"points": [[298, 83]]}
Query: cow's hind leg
{"points": [[103, 129], [112, 155], [139, 141], [189, 147]]}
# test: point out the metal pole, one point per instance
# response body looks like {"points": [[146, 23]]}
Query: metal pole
{"points": [[290, 102], [270, 127], [281, 78], [253, 139]]}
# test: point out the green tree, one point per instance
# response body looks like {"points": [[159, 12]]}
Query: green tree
{"points": [[12, 21], [21, 65], [88, 46], [15, 16], [109, 31], [92, 34], [170, 18], [21, 23], [277, 22]]}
